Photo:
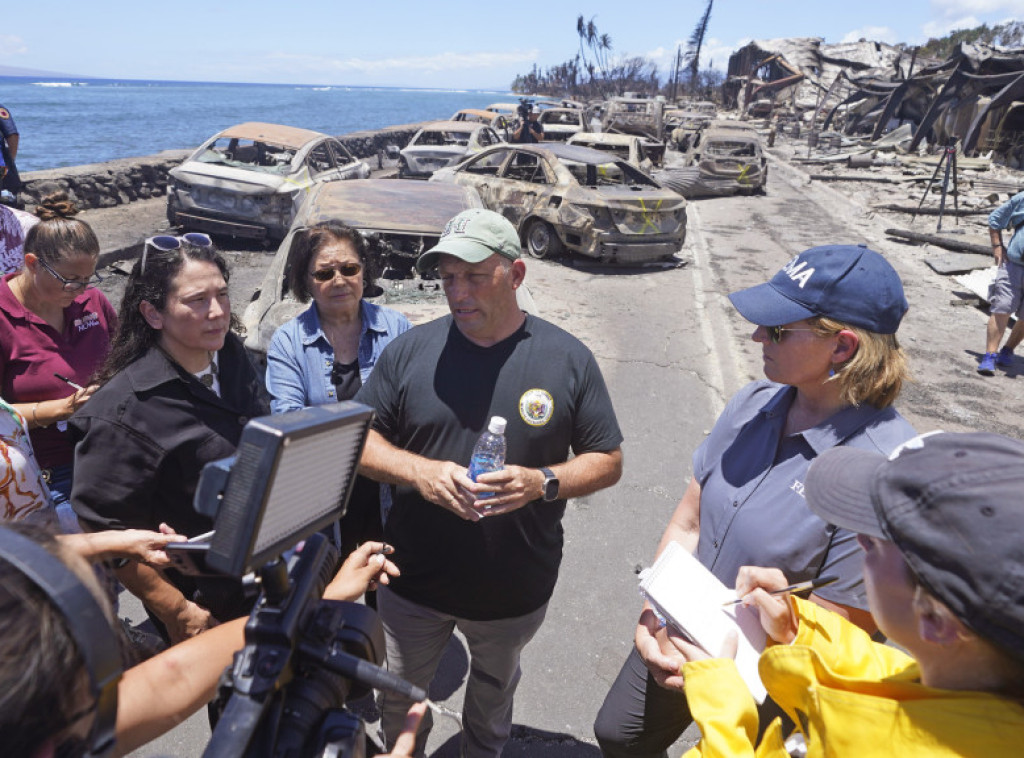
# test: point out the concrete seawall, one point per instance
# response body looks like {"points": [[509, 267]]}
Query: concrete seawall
{"points": [[105, 185]]}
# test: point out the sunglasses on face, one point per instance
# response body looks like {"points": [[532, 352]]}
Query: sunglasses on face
{"points": [[71, 285], [324, 275], [775, 332], [167, 242]]}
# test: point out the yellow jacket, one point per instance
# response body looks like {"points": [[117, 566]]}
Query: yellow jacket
{"points": [[849, 696]]}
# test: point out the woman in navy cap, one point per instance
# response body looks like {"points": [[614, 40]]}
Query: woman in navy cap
{"points": [[827, 327]]}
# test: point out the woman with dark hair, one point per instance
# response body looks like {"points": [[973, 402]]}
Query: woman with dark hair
{"points": [[325, 353], [175, 394], [54, 333]]}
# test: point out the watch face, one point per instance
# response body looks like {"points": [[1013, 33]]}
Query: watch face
{"points": [[551, 487]]}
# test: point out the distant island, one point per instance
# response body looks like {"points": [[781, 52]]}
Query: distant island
{"points": [[35, 73]]}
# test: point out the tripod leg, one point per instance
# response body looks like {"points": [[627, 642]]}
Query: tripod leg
{"points": [[945, 185], [956, 189], [938, 167]]}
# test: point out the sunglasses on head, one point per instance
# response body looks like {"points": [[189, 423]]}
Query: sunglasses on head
{"points": [[324, 275], [167, 242], [775, 332]]}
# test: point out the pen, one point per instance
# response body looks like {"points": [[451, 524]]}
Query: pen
{"points": [[813, 584], [68, 381]]}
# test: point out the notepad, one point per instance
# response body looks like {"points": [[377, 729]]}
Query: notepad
{"points": [[690, 598]]}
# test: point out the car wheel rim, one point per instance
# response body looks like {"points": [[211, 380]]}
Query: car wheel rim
{"points": [[540, 240]]}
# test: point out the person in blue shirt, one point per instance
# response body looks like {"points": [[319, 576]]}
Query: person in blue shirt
{"points": [[325, 353], [9, 179], [1006, 294], [826, 324]]}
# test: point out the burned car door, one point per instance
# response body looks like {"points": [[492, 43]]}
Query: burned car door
{"points": [[321, 163], [348, 166], [526, 184], [482, 174]]}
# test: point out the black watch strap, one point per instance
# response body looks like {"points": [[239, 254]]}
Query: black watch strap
{"points": [[550, 485]]}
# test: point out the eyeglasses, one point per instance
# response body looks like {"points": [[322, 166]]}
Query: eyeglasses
{"points": [[71, 285], [324, 275], [775, 332], [167, 242]]}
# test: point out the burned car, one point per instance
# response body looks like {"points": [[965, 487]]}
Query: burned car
{"points": [[561, 123], [636, 151], [398, 219], [443, 143], [640, 116], [564, 197], [494, 120], [729, 155], [249, 180]]}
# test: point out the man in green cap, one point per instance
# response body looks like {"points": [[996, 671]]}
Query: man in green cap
{"points": [[484, 565]]}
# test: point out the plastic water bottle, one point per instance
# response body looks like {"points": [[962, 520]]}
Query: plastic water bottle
{"points": [[489, 452]]}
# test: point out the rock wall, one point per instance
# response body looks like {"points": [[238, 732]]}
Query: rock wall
{"points": [[104, 185]]}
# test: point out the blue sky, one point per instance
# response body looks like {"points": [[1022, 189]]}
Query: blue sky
{"points": [[452, 44]]}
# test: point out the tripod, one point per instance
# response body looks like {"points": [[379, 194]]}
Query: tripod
{"points": [[948, 159]]}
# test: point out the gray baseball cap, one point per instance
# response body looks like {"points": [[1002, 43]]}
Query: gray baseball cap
{"points": [[952, 505], [474, 235]]}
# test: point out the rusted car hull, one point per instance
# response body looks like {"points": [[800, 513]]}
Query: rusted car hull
{"points": [[400, 219]]}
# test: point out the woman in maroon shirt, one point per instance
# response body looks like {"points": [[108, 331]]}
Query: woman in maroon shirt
{"points": [[53, 322]]}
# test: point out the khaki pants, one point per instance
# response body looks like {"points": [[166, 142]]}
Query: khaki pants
{"points": [[416, 638]]}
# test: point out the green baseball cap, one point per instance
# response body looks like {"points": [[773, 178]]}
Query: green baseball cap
{"points": [[473, 236]]}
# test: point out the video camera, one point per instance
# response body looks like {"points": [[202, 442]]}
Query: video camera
{"points": [[303, 656], [525, 108]]}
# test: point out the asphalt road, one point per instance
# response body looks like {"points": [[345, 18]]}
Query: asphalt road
{"points": [[673, 351]]}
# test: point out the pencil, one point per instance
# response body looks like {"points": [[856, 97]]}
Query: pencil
{"points": [[812, 584]]}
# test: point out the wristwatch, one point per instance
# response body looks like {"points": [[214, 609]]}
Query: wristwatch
{"points": [[550, 485]]}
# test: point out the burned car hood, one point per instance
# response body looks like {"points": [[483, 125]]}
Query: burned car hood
{"points": [[446, 152], [387, 205], [236, 179]]}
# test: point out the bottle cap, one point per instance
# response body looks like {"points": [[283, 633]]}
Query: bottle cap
{"points": [[497, 425]]}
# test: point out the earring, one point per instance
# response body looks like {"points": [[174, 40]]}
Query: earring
{"points": [[831, 373]]}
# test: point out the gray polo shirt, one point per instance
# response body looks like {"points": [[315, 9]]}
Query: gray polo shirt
{"points": [[752, 509]]}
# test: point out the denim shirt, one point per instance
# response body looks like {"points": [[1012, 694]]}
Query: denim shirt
{"points": [[300, 358], [1010, 215]]}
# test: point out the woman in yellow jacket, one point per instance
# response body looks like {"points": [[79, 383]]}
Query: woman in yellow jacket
{"points": [[940, 524]]}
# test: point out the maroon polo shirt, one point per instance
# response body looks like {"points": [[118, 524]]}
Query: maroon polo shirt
{"points": [[31, 351]]}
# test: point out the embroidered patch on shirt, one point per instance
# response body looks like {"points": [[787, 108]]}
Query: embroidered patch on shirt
{"points": [[88, 321], [536, 407]]}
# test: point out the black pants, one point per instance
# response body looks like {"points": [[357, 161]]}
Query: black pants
{"points": [[641, 719]]}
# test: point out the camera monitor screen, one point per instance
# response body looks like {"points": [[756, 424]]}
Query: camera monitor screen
{"points": [[292, 475]]}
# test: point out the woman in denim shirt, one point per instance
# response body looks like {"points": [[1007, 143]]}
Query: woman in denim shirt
{"points": [[325, 353]]}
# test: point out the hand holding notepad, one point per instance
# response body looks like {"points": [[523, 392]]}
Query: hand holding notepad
{"points": [[691, 599]]}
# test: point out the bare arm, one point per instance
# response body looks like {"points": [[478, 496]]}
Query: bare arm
{"points": [[47, 412], [515, 486], [181, 616], [651, 639], [135, 544], [998, 250], [185, 676], [443, 483], [160, 693]]}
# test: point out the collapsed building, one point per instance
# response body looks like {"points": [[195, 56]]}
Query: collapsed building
{"points": [[975, 97]]}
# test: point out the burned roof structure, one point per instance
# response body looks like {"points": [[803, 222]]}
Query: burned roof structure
{"points": [[800, 73], [974, 97]]}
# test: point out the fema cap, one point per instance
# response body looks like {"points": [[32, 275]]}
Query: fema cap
{"points": [[847, 283], [474, 235], [951, 504]]}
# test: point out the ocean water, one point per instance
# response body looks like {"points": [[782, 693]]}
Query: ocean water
{"points": [[67, 122]]}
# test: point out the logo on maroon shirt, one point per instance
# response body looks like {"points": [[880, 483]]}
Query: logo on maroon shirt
{"points": [[88, 321]]}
